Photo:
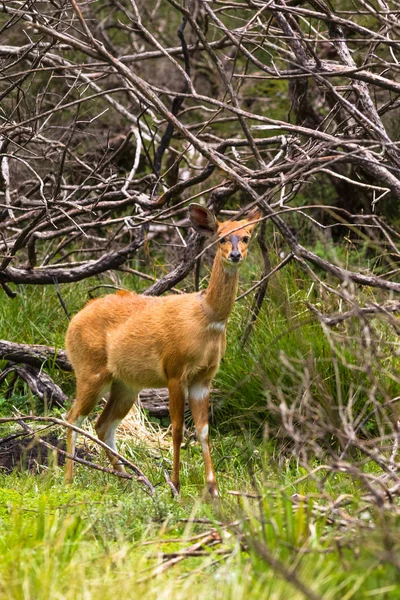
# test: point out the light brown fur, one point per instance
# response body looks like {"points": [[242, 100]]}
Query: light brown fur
{"points": [[129, 342]]}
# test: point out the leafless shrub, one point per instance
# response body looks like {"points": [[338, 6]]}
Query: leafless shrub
{"points": [[115, 114]]}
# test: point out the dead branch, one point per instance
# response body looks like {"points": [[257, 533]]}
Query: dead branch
{"points": [[358, 311], [139, 475], [35, 354], [38, 381], [209, 539]]}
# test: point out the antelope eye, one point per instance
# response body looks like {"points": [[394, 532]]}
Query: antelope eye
{"points": [[245, 240], [223, 241]]}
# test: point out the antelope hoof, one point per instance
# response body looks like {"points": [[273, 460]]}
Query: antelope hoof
{"points": [[118, 467], [213, 490], [175, 488]]}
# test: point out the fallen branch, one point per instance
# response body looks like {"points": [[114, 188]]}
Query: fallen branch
{"points": [[155, 401], [140, 476], [39, 383], [34, 354]]}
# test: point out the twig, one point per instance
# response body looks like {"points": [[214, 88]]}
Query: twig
{"points": [[174, 491], [140, 477], [207, 540]]}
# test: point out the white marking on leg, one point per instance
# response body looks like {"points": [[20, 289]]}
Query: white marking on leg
{"points": [[198, 392], [203, 437], [109, 437], [210, 477], [78, 422], [218, 326]]}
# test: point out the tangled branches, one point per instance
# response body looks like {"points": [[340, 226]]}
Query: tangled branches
{"points": [[111, 122]]}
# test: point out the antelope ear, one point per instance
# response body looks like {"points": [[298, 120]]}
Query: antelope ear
{"points": [[202, 220], [253, 215]]}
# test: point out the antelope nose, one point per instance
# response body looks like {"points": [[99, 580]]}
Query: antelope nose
{"points": [[235, 256]]}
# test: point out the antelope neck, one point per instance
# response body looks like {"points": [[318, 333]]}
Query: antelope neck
{"points": [[220, 295]]}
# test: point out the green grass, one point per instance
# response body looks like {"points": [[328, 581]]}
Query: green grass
{"points": [[87, 540]]}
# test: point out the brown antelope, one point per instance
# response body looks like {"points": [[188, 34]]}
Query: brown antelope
{"points": [[127, 342]]}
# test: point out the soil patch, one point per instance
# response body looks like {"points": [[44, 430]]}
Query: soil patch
{"points": [[23, 452]]}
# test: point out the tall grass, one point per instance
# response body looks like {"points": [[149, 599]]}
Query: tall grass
{"points": [[293, 529], [87, 541]]}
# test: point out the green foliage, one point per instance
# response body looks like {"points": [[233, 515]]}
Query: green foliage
{"points": [[290, 355], [86, 540]]}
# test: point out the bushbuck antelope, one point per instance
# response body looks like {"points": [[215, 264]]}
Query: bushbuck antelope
{"points": [[127, 342]]}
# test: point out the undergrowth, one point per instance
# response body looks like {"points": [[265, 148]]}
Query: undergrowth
{"points": [[281, 534], [89, 540]]}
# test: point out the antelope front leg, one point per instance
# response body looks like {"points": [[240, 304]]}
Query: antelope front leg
{"points": [[176, 410], [199, 394]]}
